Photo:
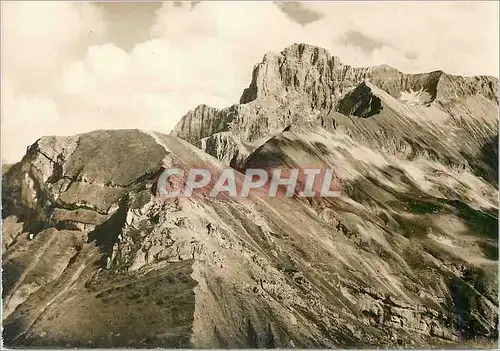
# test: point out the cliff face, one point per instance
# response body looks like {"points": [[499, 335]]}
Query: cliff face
{"points": [[303, 83], [301, 69], [202, 122], [314, 72]]}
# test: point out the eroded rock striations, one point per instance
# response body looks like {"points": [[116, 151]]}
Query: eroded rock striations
{"points": [[405, 257]]}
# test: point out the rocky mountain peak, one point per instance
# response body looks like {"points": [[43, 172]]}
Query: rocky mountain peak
{"points": [[298, 68], [303, 83], [315, 72]]}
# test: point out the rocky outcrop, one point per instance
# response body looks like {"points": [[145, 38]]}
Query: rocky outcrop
{"points": [[202, 122], [303, 83], [308, 71], [222, 145], [63, 177], [322, 78], [361, 102]]}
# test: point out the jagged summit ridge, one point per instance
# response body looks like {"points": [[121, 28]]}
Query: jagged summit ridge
{"points": [[303, 83], [313, 69]]}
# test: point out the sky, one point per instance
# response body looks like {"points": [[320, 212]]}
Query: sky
{"points": [[73, 67]]}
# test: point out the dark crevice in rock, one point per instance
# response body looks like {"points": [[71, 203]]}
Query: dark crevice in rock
{"points": [[106, 234]]}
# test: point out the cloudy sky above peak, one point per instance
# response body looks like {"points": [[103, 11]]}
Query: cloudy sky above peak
{"points": [[72, 67]]}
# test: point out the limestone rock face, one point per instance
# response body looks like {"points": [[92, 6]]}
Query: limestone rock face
{"points": [[304, 70], [202, 122], [303, 83], [322, 78]]}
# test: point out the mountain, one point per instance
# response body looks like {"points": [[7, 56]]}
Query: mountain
{"points": [[304, 82], [407, 256]]}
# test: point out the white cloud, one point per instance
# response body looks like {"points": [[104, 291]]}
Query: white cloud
{"points": [[457, 37], [205, 54], [161, 79], [38, 37], [34, 116]]}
